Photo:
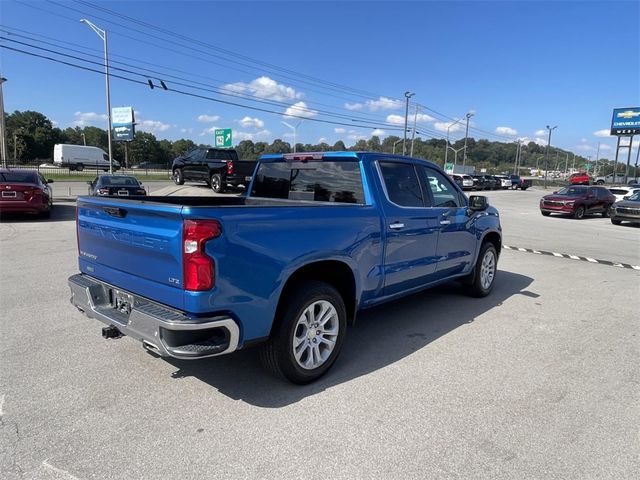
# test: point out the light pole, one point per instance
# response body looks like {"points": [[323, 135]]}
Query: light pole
{"points": [[595, 170], [295, 132], [446, 150], [455, 158], [546, 155], [413, 134], [3, 140], [466, 134], [84, 139], [407, 95], [394, 146], [103, 35]]}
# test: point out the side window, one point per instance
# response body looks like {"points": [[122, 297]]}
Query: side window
{"points": [[402, 184], [443, 192], [105, 156]]}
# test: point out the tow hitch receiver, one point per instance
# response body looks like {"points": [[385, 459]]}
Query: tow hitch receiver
{"points": [[111, 332]]}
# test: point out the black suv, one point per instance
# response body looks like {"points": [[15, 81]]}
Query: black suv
{"points": [[216, 166]]}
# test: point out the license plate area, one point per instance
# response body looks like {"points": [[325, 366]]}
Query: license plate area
{"points": [[120, 301], [247, 178], [123, 193], [8, 194]]}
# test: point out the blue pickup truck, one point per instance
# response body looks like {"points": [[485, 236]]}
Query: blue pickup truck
{"points": [[318, 238]]}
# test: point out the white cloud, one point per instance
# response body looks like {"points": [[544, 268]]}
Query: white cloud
{"points": [[602, 133], [265, 87], [540, 133], [208, 131], [208, 118], [322, 140], [259, 135], [339, 130], [506, 131], [383, 103], [356, 136], [605, 147], [584, 140], [186, 130], [395, 119], [584, 148], [442, 126], [423, 117], [299, 109], [379, 132], [153, 126], [87, 118], [248, 122], [540, 141]]}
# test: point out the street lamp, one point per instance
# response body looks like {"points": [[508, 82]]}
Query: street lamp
{"points": [[103, 35], [546, 155], [3, 140], [466, 134], [84, 139], [446, 150], [295, 131], [407, 95], [455, 158], [394, 146]]}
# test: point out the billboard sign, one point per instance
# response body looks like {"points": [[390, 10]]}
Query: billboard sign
{"points": [[223, 138], [123, 123], [625, 121]]}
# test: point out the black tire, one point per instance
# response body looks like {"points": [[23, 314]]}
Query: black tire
{"points": [[545, 214], [600, 182], [79, 167], [278, 353], [178, 178], [607, 211], [475, 285], [216, 183], [616, 221], [579, 213]]}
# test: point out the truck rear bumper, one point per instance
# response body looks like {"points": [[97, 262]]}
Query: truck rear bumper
{"points": [[164, 331]]}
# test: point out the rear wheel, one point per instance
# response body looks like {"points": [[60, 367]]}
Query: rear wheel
{"points": [[79, 167], [216, 183], [607, 211], [579, 213], [615, 221], [308, 333], [600, 182], [545, 214], [178, 178]]}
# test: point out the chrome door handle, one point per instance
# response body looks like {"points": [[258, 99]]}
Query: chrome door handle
{"points": [[445, 222], [396, 226]]}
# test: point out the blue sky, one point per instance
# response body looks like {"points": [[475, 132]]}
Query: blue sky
{"points": [[518, 65]]}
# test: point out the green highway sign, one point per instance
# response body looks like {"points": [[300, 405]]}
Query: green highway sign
{"points": [[223, 137], [448, 167]]}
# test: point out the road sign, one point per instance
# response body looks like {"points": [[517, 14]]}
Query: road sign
{"points": [[448, 167], [625, 121], [123, 122], [223, 137]]}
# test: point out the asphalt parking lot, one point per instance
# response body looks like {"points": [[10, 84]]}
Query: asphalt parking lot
{"points": [[538, 380]]}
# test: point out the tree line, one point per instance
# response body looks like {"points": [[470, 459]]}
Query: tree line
{"points": [[31, 135]]}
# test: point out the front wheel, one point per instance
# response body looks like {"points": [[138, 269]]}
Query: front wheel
{"points": [[178, 178], [600, 182], [579, 213], [484, 274], [79, 167], [615, 221], [216, 183], [308, 333], [545, 214]]}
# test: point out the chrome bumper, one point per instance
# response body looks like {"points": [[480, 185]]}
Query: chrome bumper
{"points": [[164, 331]]}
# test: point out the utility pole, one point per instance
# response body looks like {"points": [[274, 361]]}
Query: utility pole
{"points": [[394, 146], [518, 153], [3, 134], [573, 165], [566, 164], [446, 150], [84, 139], [546, 155], [407, 95], [413, 135], [466, 134], [103, 35], [595, 170]]}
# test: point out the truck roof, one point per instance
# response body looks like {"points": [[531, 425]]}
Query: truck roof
{"points": [[344, 155]]}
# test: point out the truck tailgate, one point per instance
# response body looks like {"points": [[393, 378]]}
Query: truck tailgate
{"points": [[133, 244]]}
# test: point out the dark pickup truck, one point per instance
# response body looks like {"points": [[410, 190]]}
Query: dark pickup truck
{"points": [[318, 238], [218, 167]]}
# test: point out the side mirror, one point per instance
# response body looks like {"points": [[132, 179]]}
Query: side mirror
{"points": [[478, 203], [89, 182], [556, 191], [49, 180]]}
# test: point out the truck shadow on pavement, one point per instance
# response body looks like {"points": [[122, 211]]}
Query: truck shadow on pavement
{"points": [[382, 336], [60, 213]]}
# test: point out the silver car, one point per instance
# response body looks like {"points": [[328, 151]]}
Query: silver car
{"points": [[627, 210]]}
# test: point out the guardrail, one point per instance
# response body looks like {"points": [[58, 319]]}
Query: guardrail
{"points": [[57, 172]]}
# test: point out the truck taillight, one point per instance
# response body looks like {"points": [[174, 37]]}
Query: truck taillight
{"points": [[198, 267], [229, 167]]}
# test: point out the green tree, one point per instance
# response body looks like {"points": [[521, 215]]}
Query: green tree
{"points": [[31, 135]]}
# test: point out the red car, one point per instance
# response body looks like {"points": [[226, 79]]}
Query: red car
{"points": [[580, 178], [25, 191], [578, 201]]}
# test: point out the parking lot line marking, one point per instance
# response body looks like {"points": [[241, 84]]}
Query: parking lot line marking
{"points": [[573, 257], [60, 473], [1, 405]]}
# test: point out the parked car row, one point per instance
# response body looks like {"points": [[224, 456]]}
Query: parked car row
{"points": [[578, 201], [583, 178], [490, 182]]}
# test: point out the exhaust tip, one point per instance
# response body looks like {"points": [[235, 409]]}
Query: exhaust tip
{"points": [[111, 332]]}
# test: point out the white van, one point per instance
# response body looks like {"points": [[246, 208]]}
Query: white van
{"points": [[79, 157]]}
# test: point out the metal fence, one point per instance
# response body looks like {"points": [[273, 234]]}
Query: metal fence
{"points": [[49, 169]]}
